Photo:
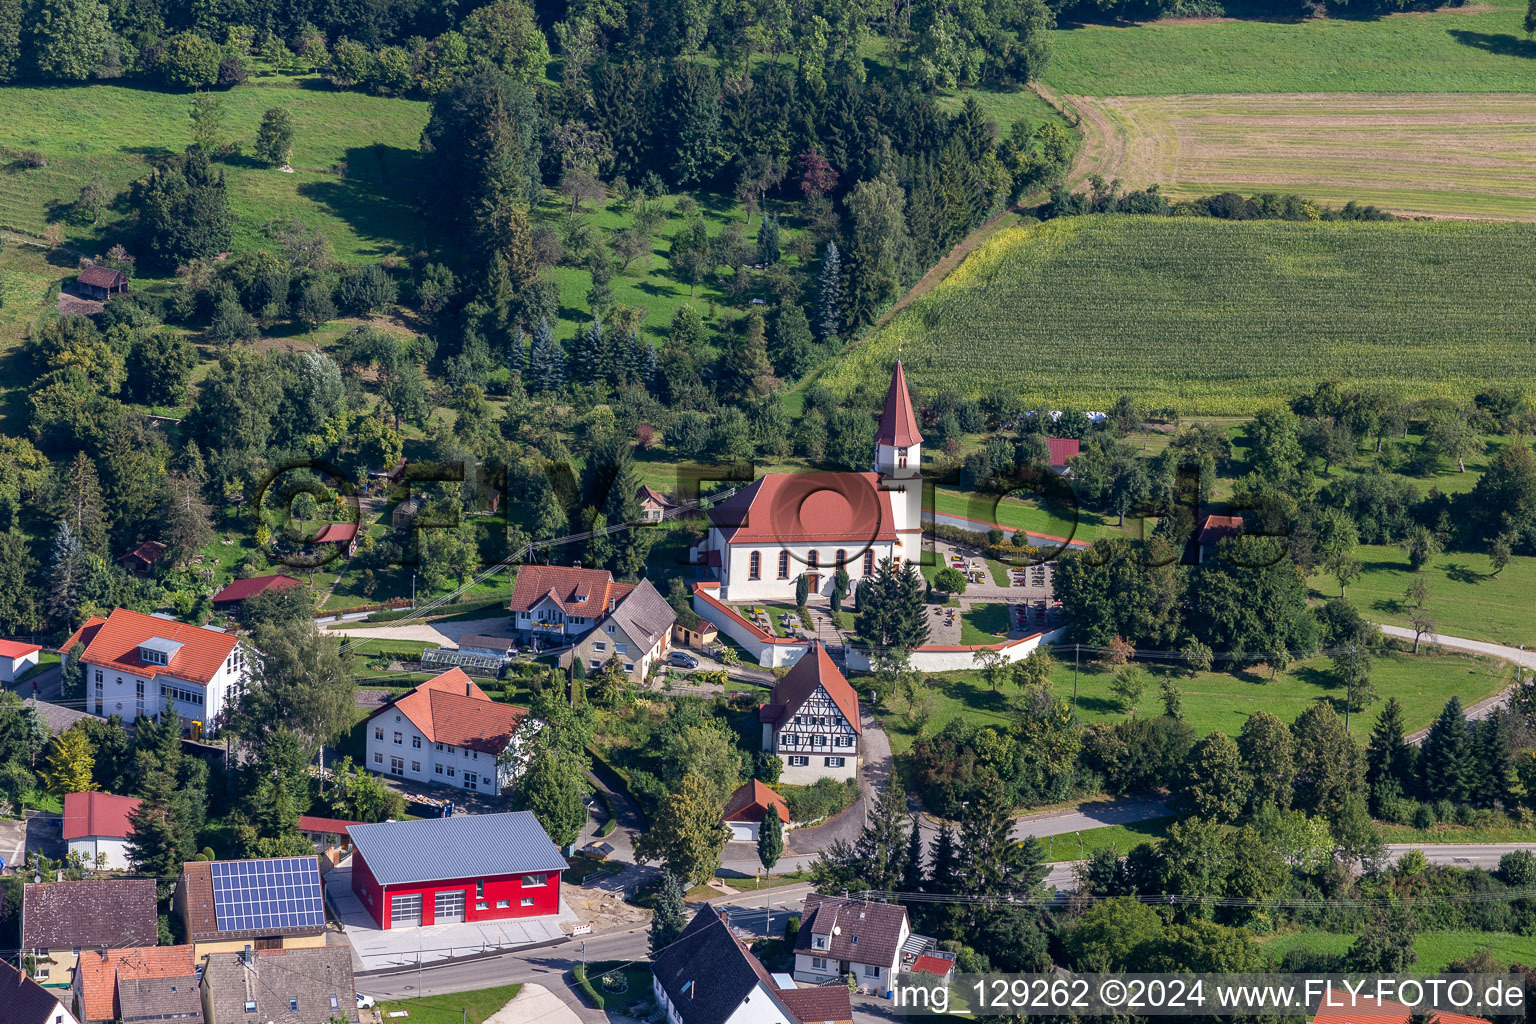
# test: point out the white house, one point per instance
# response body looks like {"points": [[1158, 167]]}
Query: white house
{"points": [[553, 605], [16, 658], [811, 722], [785, 525], [140, 665], [97, 825], [841, 936], [637, 632], [27, 1002], [447, 732], [708, 977]]}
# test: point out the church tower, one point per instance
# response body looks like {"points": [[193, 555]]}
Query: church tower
{"points": [[899, 463]]}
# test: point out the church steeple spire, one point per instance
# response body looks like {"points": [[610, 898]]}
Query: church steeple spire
{"points": [[898, 424]]}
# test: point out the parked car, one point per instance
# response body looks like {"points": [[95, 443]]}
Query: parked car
{"points": [[364, 1002], [682, 660]]}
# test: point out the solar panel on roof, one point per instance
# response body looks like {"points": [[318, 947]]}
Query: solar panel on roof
{"points": [[255, 895]]}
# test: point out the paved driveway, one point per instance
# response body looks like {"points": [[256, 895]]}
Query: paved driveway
{"points": [[443, 634], [375, 948]]}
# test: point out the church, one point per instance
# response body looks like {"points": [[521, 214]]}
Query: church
{"points": [[785, 525]]}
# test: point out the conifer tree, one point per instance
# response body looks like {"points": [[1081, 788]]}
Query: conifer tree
{"points": [[770, 839], [829, 294], [546, 362], [768, 241], [913, 877], [1447, 762], [66, 576], [516, 360], [80, 502], [1492, 748], [1387, 755], [669, 914]]}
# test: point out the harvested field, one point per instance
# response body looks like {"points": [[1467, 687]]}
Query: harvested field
{"points": [[1440, 155]]}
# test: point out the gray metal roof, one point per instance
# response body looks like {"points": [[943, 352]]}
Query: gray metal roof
{"points": [[467, 846]]}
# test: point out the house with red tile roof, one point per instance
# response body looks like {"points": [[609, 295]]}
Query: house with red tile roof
{"points": [[748, 807], [344, 535], [635, 634], [556, 604], [96, 827], [16, 658], [93, 996], [447, 732], [1062, 450], [783, 526], [811, 721], [137, 665], [1339, 1007], [233, 596], [653, 504], [141, 559], [1215, 529]]}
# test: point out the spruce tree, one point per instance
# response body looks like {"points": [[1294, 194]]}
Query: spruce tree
{"points": [[768, 241], [66, 577], [1447, 763], [587, 359], [80, 502], [1492, 750], [516, 360], [913, 877], [1387, 755], [546, 362], [669, 914], [941, 876], [770, 839], [829, 294], [882, 846]]}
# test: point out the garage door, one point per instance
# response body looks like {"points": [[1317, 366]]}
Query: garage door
{"points": [[448, 907], [742, 832], [405, 910]]}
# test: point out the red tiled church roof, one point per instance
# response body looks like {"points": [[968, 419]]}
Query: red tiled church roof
{"points": [[898, 425], [807, 508]]}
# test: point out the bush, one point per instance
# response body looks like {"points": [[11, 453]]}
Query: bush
{"points": [[579, 972], [1424, 816], [825, 798], [189, 61]]}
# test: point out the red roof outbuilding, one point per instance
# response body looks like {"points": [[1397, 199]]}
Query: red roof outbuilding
{"points": [[330, 826], [16, 649], [342, 533], [1063, 449], [101, 815], [239, 590], [751, 803]]}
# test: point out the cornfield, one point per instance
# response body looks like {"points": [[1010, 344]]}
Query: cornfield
{"points": [[1220, 317]]}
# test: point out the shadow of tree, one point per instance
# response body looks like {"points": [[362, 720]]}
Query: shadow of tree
{"points": [[1464, 574], [1502, 43], [1314, 676]]}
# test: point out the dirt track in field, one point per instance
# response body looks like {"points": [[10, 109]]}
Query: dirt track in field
{"points": [[1439, 155]]}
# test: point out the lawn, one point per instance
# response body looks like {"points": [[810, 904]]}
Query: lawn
{"points": [[984, 623], [1435, 949], [1465, 600], [1119, 838], [1371, 148], [458, 1008], [1216, 317], [648, 282], [1223, 701], [1479, 47], [354, 158], [1049, 517]]}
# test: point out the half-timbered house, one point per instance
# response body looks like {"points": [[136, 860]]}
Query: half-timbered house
{"points": [[812, 722]]}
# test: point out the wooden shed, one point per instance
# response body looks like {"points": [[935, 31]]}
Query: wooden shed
{"points": [[102, 282]]}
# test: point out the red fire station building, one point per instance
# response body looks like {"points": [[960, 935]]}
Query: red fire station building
{"points": [[476, 867]]}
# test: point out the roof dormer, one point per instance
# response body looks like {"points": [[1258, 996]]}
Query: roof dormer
{"points": [[158, 650]]}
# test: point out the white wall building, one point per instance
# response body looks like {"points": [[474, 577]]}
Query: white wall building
{"points": [[449, 733], [140, 665], [96, 826], [812, 722], [785, 525], [840, 936], [16, 658]]}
